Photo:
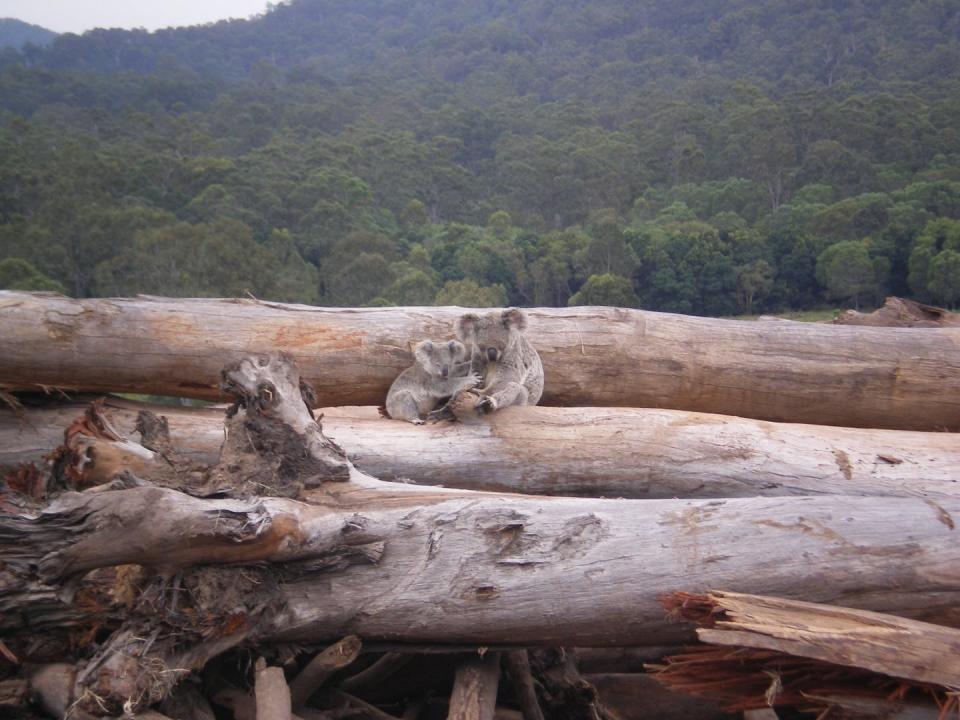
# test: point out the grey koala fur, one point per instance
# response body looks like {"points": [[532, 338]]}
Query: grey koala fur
{"points": [[440, 370], [512, 370]]}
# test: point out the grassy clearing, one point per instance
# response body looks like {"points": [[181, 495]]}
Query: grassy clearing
{"points": [[799, 315]]}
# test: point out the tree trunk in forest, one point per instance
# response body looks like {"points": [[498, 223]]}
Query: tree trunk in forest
{"points": [[574, 451], [825, 374]]}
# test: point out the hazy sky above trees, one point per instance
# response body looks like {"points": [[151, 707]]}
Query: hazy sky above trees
{"points": [[81, 15]]}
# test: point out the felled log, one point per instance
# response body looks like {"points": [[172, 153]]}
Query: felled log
{"points": [[881, 643], [574, 451], [322, 666], [284, 541], [901, 312], [474, 695], [824, 374], [272, 693], [766, 651]]}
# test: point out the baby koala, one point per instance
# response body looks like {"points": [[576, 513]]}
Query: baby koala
{"points": [[441, 369]]}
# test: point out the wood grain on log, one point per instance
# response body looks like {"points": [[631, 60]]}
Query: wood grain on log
{"points": [[824, 374], [598, 452], [474, 695]]}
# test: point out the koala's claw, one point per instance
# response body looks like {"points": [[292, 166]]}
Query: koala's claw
{"points": [[474, 380], [418, 421], [486, 405]]}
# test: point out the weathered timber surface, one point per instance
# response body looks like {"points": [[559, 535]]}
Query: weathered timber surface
{"points": [[599, 452], [824, 374], [450, 566], [872, 641], [474, 695]]}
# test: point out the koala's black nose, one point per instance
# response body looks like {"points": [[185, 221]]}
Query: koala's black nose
{"points": [[445, 371], [492, 354]]}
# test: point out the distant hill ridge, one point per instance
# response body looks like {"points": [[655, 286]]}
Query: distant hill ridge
{"points": [[16, 33], [821, 42]]}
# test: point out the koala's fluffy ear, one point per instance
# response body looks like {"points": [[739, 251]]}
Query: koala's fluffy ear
{"points": [[458, 350], [467, 325], [422, 352], [514, 317]]}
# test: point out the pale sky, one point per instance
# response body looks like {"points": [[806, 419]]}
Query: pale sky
{"points": [[80, 15]]}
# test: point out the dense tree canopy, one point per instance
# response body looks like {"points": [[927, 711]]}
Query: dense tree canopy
{"points": [[702, 157]]}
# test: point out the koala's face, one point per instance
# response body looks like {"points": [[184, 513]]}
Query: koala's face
{"points": [[439, 358], [491, 333]]}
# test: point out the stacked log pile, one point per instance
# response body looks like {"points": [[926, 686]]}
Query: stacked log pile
{"points": [[263, 560]]}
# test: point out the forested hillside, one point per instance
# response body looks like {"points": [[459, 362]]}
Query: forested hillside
{"points": [[704, 157], [16, 33]]}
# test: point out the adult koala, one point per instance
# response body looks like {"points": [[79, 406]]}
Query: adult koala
{"points": [[511, 368]]}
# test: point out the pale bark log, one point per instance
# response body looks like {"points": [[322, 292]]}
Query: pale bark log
{"points": [[474, 695], [272, 693], [577, 451], [321, 666], [881, 643], [833, 375], [449, 566]]}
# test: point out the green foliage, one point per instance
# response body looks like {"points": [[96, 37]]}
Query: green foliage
{"points": [[712, 157], [754, 282], [847, 272], [937, 237], [606, 289], [17, 274], [184, 260], [944, 283], [467, 293]]}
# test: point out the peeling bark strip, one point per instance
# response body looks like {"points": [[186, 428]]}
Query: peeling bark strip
{"points": [[833, 375], [872, 641], [574, 451]]}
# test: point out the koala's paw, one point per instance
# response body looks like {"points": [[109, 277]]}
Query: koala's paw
{"points": [[473, 380], [486, 405], [418, 421]]}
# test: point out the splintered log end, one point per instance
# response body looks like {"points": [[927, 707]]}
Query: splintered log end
{"points": [[698, 608], [154, 431]]}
